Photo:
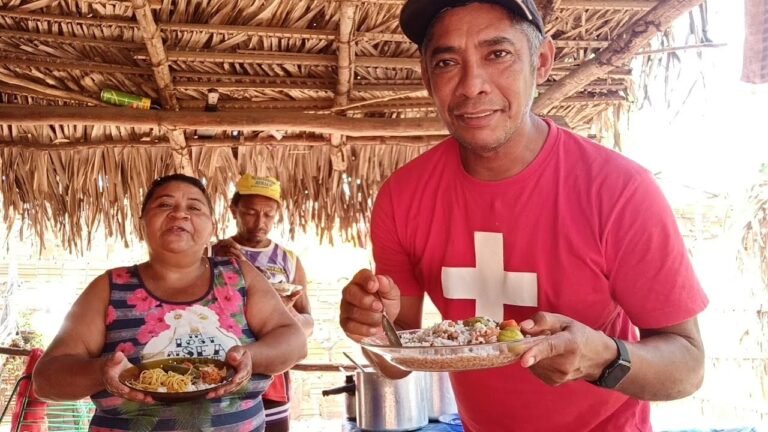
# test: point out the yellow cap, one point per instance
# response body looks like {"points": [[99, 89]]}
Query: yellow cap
{"points": [[264, 186]]}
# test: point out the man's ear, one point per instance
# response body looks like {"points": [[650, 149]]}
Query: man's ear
{"points": [[425, 75], [546, 60]]}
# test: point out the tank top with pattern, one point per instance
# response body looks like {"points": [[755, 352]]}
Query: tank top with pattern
{"points": [[145, 327], [276, 262]]}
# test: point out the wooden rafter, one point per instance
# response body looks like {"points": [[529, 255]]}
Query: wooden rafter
{"points": [[291, 121], [324, 85], [26, 60], [345, 67], [568, 4], [50, 91], [608, 4], [617, 53], [68, 40], [157, 54], [223, 142], [228, 30], [281, 58]]}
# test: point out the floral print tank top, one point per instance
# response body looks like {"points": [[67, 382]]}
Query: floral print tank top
{"points": [[144, 327]]}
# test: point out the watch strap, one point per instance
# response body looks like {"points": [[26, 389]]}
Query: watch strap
{"points": [[622, 359]]}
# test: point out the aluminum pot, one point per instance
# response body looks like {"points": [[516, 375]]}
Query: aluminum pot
{"points": [[440, 398], [391, 405]]}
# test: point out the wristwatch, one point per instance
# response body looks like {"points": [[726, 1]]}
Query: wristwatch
{"points": [[615, 372]]}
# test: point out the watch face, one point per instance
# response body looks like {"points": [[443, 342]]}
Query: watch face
{"points": [[615, 375]]}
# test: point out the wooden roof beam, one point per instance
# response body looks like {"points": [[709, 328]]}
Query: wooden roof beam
{"points": [[359, 87], [156, 53], [294, 33], [26, 60], [290, 121], [69, 40], [269, 57], [608, 4], [346, 52], [569, 4], [224, 142], [617, 53], [50, 91], [345, 67], [154, 42], [414, 104]]}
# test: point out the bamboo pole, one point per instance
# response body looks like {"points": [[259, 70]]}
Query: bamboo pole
{"points": [[230, 120], [620, 50]]}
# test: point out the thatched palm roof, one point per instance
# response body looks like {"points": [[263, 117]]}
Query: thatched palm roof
{"points": [[325, 95]]}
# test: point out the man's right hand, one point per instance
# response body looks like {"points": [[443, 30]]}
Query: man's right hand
{"points": [[228, 248], [362, 302]]}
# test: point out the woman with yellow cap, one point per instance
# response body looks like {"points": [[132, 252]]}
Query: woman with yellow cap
{"points": [[255, 206]]}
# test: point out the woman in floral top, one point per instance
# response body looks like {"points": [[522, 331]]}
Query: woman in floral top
{"points": [[176, 304]]}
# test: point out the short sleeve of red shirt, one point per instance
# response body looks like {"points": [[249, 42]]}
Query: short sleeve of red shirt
{"points": [[388, 252], [647, 261]]}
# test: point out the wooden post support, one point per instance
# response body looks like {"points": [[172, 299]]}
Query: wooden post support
{"points": [[617, 53]]}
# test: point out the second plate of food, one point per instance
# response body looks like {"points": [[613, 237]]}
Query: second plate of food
{"points": [[177, 379], [476, 343]]}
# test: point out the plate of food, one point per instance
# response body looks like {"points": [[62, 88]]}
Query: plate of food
{"points": [[286, 289], [475, 343], [177, 379]]}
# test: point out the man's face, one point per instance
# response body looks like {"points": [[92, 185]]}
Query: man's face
{"points": [[477, 68], [255, 215]]}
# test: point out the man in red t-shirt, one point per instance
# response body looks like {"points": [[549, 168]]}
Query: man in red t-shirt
{"points": [[515, 218]]}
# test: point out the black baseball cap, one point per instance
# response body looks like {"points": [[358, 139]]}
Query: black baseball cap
{"points": [[417, 15]]}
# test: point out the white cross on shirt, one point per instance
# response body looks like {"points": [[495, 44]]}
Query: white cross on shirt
{"points": [[487, 283]]}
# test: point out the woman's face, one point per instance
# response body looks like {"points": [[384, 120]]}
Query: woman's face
{"points": [[177, 219]]}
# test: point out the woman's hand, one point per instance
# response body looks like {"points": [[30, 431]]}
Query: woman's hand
{"points": [[110, 370], [239, 358]]}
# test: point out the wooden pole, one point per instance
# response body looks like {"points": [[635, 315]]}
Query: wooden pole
{"points": [[156, 51], [53, 92], [182, 155], [345, 67], [292, 141], [617, 54], [279, 58], [608, 4], [230, 120]]}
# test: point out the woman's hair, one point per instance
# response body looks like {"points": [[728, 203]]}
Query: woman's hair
{"points": [[162, 181]]}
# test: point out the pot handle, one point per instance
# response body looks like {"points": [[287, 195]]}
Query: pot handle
{"points": [[346, 388]]}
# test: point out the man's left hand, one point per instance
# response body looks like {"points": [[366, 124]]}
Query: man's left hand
{"points": [[571, 350], [289, 300]]}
